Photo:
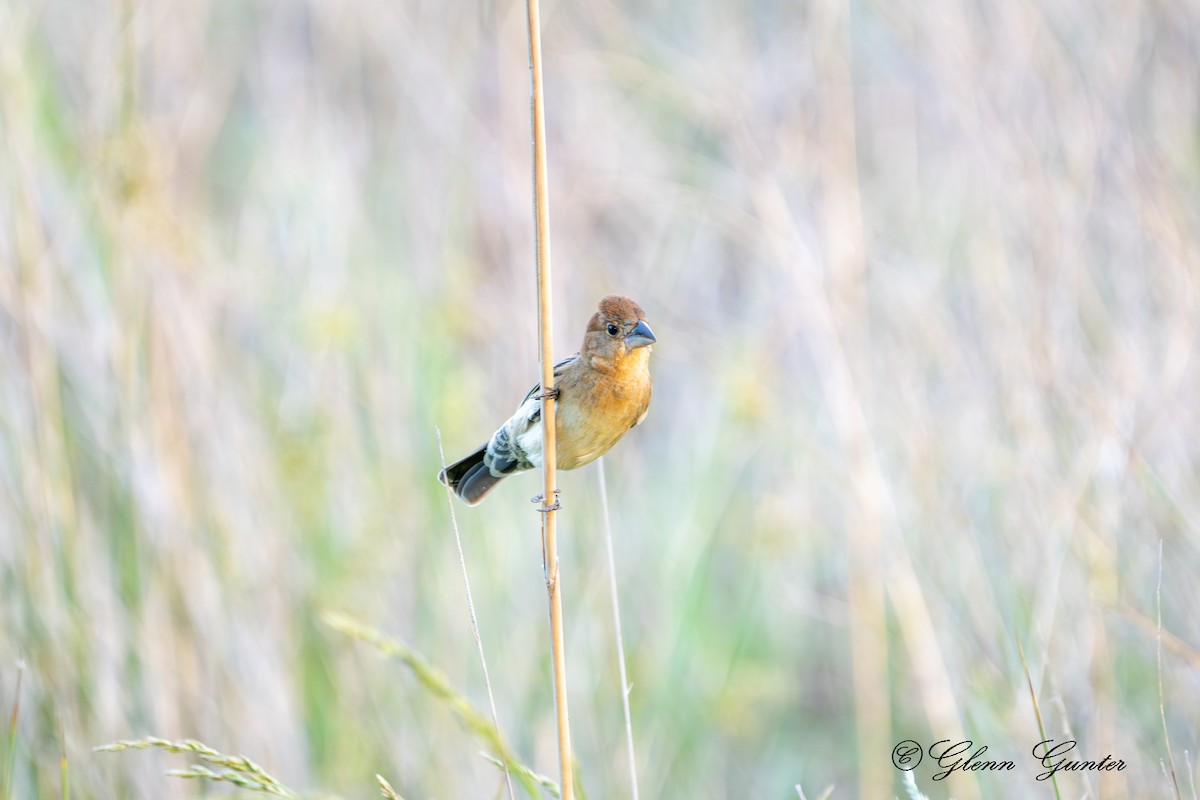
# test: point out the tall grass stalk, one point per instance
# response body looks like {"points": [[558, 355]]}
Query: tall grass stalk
{"points": [[64, 772], [616, 607], [11, 755], [910, 788], [1162, 710], [388, 792], [462, 563], [541, 212], [237, 770], [436, 683], [1037, 711], [526, 774]]}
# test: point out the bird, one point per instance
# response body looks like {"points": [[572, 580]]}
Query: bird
{"points": [[602, 391]]}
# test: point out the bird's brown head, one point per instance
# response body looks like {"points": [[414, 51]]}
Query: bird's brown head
{"points": [[617, 331]]}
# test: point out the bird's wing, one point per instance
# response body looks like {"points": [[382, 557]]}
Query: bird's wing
{"points": [[517, 445], [558, 369]]}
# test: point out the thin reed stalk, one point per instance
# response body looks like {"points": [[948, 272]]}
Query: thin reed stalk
{"points": [[1037, 710], [63, 768], [462, 562], [1162, 708], [541, 213], [11, 751], [616, 607]]}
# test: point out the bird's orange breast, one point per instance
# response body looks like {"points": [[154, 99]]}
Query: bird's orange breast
{"points": [[595, 409]]}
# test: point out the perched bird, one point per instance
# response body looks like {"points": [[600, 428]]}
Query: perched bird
{"points": [[603, 391]]}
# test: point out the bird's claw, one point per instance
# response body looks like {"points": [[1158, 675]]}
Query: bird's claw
{"points": [[545, 509], [552, 393]]}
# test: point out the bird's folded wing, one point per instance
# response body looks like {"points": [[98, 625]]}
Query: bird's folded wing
{"points": [[558, 368]]}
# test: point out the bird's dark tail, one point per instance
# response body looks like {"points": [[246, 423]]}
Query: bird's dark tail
{"points": [[469, 477]]}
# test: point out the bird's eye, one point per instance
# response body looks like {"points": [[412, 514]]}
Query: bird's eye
{"points": [[613, 330]]}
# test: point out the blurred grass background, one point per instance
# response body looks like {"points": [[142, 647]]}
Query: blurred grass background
{"points": [[925, 282]]}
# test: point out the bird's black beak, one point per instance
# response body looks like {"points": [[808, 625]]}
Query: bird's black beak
{"points": [[640, 336]]}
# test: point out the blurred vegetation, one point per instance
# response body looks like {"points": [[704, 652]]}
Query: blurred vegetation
{"points": [[926, 283]]}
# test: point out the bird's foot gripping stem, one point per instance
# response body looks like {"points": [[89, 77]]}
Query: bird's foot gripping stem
{"points": [[552, 393], [544, 508]]}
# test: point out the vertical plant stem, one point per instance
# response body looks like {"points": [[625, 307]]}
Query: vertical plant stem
{"points": [[11, 766], [541, 214], [1037, 710], [1162, 708], [616, 606], [64, 772], [462, 562]]}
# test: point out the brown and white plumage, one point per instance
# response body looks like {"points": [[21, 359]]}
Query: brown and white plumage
{"points": [[603, 391]]}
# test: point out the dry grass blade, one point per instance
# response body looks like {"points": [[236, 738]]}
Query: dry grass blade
{"points": [[1162, 709], [462, 563], [11, 760], [910, 788], [237, 770], [616, 608], [436, 684], [1168, 640], [1037, 711], [386, 789], [525, 773], [63, 770], [199, 772], [825, 795]]}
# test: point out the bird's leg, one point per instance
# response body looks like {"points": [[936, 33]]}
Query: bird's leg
{"points": [[542, 497], [552, 393]]}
